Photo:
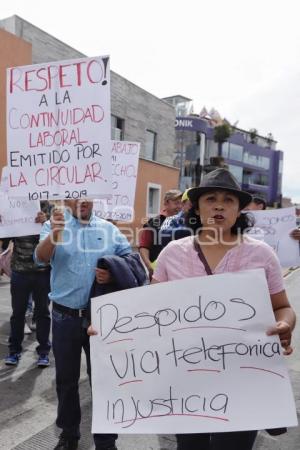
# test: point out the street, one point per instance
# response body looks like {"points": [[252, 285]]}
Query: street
{"points": [[28, 397]]}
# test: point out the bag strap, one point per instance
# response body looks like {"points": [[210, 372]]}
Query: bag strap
{"points": [[201, 256]]}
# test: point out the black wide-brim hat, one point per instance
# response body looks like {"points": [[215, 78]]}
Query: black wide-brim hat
{"points": [[220, 179]]}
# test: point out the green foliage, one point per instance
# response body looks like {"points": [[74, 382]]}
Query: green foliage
{"points": [[222, 133], [253, 135]]}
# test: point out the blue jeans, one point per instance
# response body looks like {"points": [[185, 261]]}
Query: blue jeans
{"points": [[237, 440], [69, 338], [22, 284]]}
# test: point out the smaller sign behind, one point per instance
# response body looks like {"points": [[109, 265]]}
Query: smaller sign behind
{"points": [[125, 161], [17, 217], [273, 226]]}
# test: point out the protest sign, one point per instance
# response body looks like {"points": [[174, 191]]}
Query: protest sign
{"points": [[58, 129], [273, 226], [189, 356], [125, 161], [17, 217], [4, 185]]}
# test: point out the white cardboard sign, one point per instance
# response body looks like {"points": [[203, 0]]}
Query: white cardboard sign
{"points": [[58, 129], [17, 217], [125, 161], [273, 226], [189, 356]]}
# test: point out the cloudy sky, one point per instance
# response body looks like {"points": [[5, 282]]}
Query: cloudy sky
{"points": [[240, 57]]}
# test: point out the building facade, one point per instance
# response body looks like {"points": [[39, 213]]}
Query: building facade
{"points": [[136, 115], [14, 51], [255, 162]]}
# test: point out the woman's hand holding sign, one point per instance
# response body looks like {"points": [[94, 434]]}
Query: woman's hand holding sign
{"points": [[284, 331], [285, 321]]}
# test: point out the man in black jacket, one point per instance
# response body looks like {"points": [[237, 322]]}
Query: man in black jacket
{"points": [[27, 279]]}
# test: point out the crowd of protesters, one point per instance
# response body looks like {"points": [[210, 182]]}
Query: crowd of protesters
{"points": [[54, 267]]}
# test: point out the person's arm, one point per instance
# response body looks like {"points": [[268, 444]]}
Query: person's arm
{"points": [[46, 247], [145, 243], [285, 318], [145, 252]]}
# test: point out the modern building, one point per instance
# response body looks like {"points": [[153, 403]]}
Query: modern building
{"points": [[253, 159], [136, 115]]}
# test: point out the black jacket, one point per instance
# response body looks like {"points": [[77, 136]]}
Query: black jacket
{"points": [[127, 272], [154, 224]]}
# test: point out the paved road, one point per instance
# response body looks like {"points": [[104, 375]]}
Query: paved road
{"points": [[28, 399]]}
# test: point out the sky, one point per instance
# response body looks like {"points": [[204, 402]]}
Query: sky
{"points": [[239, 57]]}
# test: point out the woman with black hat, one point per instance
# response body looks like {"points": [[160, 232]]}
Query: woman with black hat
{"points": [[219, 247]]}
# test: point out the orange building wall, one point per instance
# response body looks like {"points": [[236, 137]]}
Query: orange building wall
{"points": [[13, 52]]}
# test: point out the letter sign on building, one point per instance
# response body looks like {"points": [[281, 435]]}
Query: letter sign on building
{"points": [[186, 123]]}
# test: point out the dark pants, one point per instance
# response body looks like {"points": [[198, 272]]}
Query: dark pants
{"points": [[23, 284], [69, 338], [238, 440]]}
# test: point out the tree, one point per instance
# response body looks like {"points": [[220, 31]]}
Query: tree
{"points": [[221, 134], [253, 135]]}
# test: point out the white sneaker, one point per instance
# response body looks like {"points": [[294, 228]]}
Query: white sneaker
{"points": [[27, 330]]}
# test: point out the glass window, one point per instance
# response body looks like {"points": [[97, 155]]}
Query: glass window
{"points": [[261, 179], [117, 128], [237, 172], [246, 178], [236, 152], [153, 200], [267, 162], [252, 160], [211, 150], [225, 150], [256, 178], [259, 161], [150, 145], [264, 162], [192, 152]]}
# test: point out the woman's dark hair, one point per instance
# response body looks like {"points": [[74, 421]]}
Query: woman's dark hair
{"points": [[243, 222]]}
